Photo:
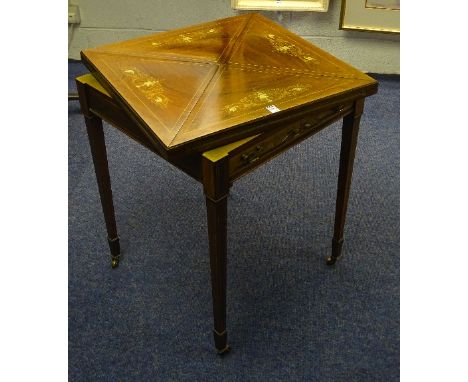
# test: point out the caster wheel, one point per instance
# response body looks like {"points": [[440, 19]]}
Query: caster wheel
{"points": [[331, 260], [224, 351], [115, 263]]}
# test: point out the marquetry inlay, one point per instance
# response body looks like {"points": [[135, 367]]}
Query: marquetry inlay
{"points": [[264, 97], [149, 86], [280, 45], [207, 81], [187, 38]]}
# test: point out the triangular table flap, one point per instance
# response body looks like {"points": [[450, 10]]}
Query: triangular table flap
{"points": [[204, 42], [194, 83], [160, 92], [265, 43], [243, 94]]}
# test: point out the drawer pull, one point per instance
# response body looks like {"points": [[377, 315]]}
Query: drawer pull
{"points": [[339, 109], [253, 156], [291, 134]]}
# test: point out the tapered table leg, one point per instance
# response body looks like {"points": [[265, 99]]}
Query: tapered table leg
{"points": [[98, 151], [216, 188], [348, 148]]}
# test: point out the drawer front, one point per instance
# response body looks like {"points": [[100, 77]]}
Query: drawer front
{"points": [[268, 145]]}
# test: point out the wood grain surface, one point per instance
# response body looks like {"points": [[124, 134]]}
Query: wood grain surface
{"points": [[196, 88]]}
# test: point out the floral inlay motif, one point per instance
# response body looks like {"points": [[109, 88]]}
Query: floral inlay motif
{"points": [[282, 46], [187, 38], [148, 85], [262, 97]]}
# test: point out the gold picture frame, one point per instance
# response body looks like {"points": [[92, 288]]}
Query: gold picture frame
{"points": [[370, 15], [281, 5]]}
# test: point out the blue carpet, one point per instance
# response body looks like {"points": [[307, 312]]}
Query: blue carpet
{"points": [[290, 317]]}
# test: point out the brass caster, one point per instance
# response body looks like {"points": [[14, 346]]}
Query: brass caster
{"points": [[115, 263], [331, 260], [224, 351]]}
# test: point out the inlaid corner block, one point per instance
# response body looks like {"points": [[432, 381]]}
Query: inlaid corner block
{"points": [[218, 100]]}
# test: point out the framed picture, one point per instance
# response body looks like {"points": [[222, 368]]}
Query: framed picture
{"points": [[371, 15], [281, 5]]}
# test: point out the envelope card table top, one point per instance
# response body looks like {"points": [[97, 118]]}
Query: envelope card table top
{"points": [[199, 87]]}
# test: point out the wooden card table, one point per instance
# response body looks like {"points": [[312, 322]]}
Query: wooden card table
{"points": [[218, 100]]}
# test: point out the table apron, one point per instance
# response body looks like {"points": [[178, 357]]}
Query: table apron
{"points": [[267, 146]]}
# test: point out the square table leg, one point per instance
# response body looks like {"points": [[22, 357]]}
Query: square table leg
{"points": [[349, 139], [216, 188], [99, 154]]}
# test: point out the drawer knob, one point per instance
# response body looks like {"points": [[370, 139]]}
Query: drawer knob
{"points": [[253, 156], [307, 125]]}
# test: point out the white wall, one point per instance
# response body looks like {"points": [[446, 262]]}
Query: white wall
{"points": [[104, 21]]}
